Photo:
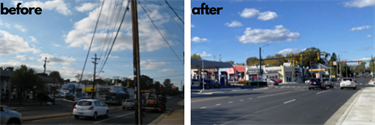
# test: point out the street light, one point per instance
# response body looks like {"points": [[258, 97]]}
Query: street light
{"points": [[260, 61]]}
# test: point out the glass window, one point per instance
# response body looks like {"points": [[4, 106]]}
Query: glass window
{"points": [[97, 103], [101, 103], [84, 103]]}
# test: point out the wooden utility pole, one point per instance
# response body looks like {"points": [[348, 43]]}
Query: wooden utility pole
{"points": [[136, 59], [93, 84], [45, 63]]}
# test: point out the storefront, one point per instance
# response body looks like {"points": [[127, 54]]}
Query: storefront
{"points": [[252, 73], [272, 72]]}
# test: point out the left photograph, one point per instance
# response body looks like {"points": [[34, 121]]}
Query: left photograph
{"points": [[92, 62]]}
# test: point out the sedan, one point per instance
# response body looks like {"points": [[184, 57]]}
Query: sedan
{"points": [[348, 83], [90, 108]]}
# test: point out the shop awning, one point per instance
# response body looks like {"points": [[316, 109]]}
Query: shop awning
{"points": [[88, 89], [196, 64], [71, 87]]}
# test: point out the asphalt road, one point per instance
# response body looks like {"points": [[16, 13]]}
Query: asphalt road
{"points": [[115, 117], [284, 104]]}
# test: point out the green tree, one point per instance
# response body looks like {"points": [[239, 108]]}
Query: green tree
{"points": [[167, 88], [333, 57], [158, 88], [232, 62], [196, 56], [24, 79], [55, 75], [252, 61], [146, 82]]}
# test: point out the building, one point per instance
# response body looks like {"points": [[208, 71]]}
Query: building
{"points": [[285, 72], [5, 75]]}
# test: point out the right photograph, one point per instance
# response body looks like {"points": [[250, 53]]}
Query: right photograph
{"points": [[282, 62]]}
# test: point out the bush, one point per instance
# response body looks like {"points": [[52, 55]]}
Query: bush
{"points": [[247, 82], [261, 84]]}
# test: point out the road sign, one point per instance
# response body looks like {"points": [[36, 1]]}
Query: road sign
{"points": [[334, 63]]}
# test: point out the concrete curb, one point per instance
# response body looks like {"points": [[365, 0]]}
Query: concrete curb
{"points": [[338, 117], [158, 119], [33, 107]]}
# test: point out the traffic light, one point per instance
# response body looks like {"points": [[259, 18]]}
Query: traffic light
{"points": [[318, 57], [172, 86], [160, 86], [359, 61], [344, 61], [330, 62]]}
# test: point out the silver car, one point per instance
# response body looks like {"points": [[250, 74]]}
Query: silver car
{"points": [[8, 116]]}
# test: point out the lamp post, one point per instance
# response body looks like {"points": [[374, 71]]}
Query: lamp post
{"points": [[260, 61]]}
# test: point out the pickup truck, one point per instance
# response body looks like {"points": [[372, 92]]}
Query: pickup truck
{"points": [[128, 104], [154, 102]]}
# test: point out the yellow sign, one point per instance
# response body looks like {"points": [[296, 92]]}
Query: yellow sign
{"points": [[116, 82], [88, 89], [316, 70], [128, 84]]}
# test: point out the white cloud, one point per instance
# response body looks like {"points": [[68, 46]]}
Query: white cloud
{"points": [[268, 15], [368, 36], [287, 51], [110, 56], [150, 39], [64, 60], [249, 12], [86, 7], [58, 5], [234, 24], [13, 44], [151, 64], [280, 33], [192, 26], [19, 27], [199, 40], [33, 39], [22, 57], [359, 3], [57, 45], [31, 58], [66, 72], [204, 54], [167, 70], [364, 58], [4, 24], [360, 28]]}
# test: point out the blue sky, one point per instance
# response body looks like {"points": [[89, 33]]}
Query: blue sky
{"points": [[345, 27], [63, 33]]}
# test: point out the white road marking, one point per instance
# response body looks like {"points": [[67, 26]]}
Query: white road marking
{"points": [[218, 104], [230, 102], [250, 98], [241, 100], [203, 107], [113, 118], [323, 92], [290, 101]]}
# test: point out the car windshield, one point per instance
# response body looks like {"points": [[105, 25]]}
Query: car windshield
{"points": [[347, 79], [129, 100], [84, 103]]}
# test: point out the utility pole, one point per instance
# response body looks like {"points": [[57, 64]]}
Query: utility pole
{"points": [[260, 64], [136, 59], [93, 84], [373, 62], [45, 62]]}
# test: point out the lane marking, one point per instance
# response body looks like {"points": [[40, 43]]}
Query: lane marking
{"points": [[241, 100], [250, 98], [113, 117], [218, 104], [209, 99], [203, 107], [290, 101], [230, 102], [323, 92]]}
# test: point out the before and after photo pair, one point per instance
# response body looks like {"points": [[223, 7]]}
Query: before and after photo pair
{"points": [[187, 62]]}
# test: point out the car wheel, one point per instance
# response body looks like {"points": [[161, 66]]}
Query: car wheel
{"points": [[321, 88], [341, 88], [76, 116], [13, 122], [355, 88], [95, 116], [106, 114], [309, 88]]}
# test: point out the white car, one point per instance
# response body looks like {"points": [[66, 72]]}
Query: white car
{"points": [[90, 108], [348, 83], [307, 81], [128, 104]]}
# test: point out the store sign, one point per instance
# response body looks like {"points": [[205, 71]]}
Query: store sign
{"points": [[117, 88], [272, 70], [286, 64]]}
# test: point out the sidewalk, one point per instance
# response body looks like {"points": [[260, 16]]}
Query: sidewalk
{"points": [[171, 117]]}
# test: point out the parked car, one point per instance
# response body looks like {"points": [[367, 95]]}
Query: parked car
{"points": [[333, 79], [8, 116], [128, 104], [327, 82], [215, 84], [279, 80], [45, 97], [316, 83], [272, 82], [208, 83], [348, 83], [90, 108], [307, 81]]}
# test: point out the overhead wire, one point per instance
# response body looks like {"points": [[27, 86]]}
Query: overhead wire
{"points": [[170, 15], [114, 40], [175, 12], [160, 32]]}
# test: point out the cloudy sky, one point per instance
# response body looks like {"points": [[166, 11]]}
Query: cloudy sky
{"points": [[345, 27], [64, 30]]}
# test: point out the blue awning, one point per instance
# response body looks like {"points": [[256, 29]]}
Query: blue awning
{"points": [[117, 91], [71, 87]]}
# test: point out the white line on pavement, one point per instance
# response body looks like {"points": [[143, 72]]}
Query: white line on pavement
{"points": [[290, 101], [218, 104], [250, 98], [323, 92], [241, 100], [113, 118], [203, 107], [230, 102]]}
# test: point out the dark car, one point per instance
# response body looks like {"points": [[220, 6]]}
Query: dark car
{"points": [[215, 84], [333, 79], [44, 97], [208, 83], [316, 83]]}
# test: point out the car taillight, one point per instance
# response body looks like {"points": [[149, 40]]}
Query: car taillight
{"points": [[131, 104], [92, 107], [309, 81], [320, 81], [122, 103], [75, 107]]}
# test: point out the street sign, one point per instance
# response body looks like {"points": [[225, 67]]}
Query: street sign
{"points": [[334, 63]]}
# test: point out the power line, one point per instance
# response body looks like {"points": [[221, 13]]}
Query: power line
{"points": [[114, 40], [168, 76], [174, 12], [170, 15], [159, 31]]}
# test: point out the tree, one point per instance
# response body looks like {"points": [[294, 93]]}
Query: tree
{"points": [[252, 61], [55, 75], [167, 89], [24, 79], [158, 88], [232, 62], [274, 62], [146, 82], [196, 56], [333, 57]]}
